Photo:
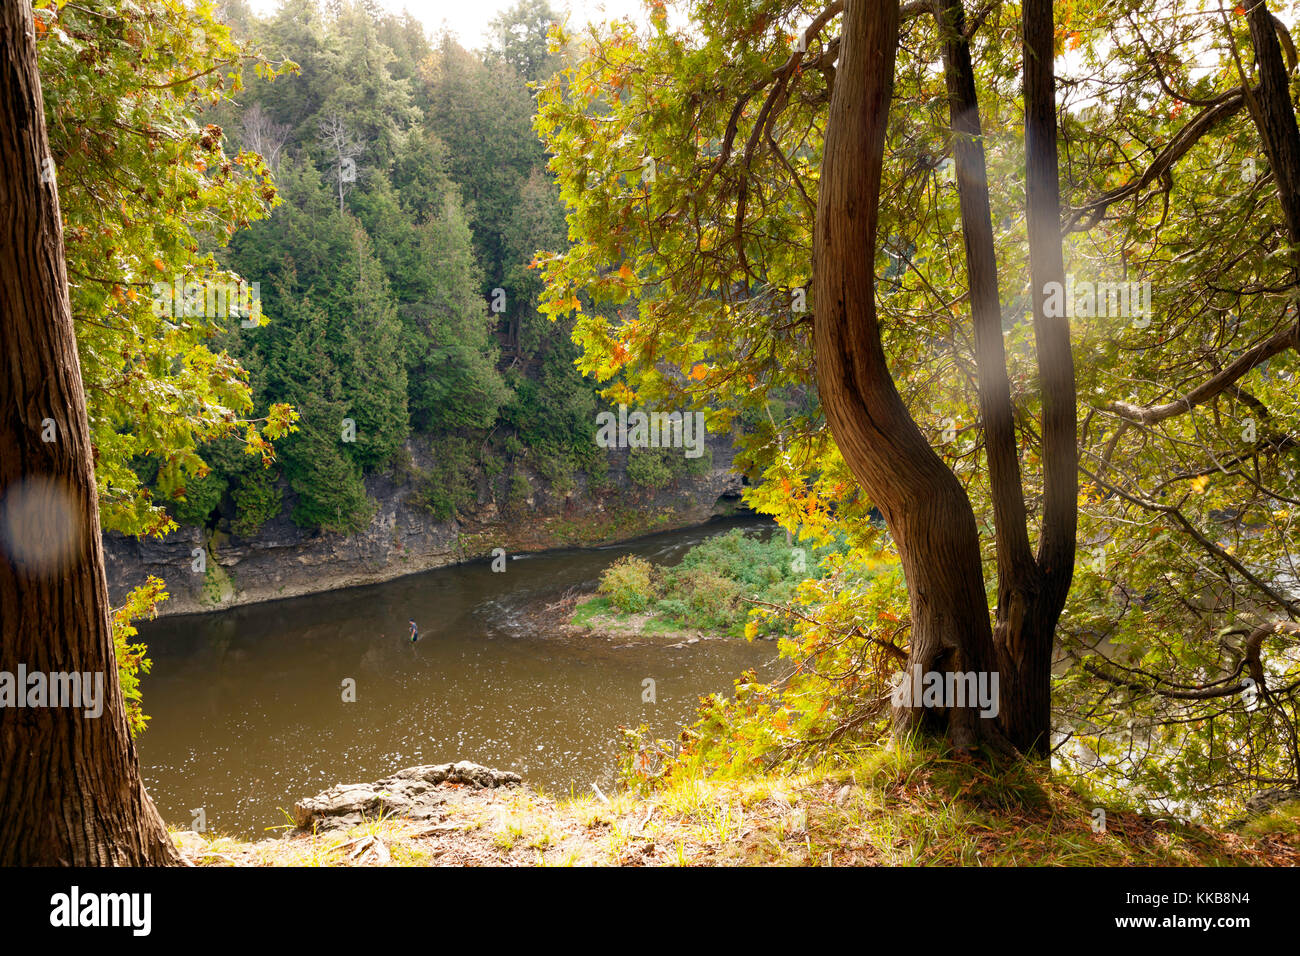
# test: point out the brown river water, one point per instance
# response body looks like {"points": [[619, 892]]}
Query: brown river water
{"points": [[247, 705]]}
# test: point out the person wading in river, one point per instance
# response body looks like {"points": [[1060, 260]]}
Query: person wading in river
{"points": [[415, 632]]}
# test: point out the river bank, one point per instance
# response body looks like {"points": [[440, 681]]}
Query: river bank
{"points": [[884, 806], [212, 568], [250, 708]]}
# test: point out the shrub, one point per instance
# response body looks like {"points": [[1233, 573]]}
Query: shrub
{"points": [[650, 467], [598, 474], [673, 608], [202, 495], [448, 487], [629, 584], [493, 464], [713, 601], [714, 584], [556, 468], [699, 467], [520, 488]]}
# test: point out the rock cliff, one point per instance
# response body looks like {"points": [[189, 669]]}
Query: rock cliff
{"points": [[208, 569]]}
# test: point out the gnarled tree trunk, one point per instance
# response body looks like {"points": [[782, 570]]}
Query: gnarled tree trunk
{"points": [[1274, 116], [926, 509], [924, 506]]}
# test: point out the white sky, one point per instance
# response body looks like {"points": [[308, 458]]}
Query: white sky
{"points": [[469, 18]]}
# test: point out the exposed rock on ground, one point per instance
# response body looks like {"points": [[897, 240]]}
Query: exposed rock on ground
{"points": [[1264, 803], [889, 808], [416, 793], [1269, 800]]}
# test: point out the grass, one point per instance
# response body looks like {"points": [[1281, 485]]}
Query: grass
{"points": [[590, 613], [883, 805], [1283, 822], [599, 614]]}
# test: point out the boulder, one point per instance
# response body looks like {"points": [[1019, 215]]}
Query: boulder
{"points": [[416, 793], [1266, 801], [1263, 803]]}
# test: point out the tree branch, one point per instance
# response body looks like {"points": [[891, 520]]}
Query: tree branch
{"points": [[1286, 339], [1225, 106]]}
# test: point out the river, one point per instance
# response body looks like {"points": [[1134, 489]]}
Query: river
{"points": [[248, 710]]}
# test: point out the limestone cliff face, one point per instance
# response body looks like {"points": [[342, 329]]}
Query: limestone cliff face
{"points": [[283, 560]]}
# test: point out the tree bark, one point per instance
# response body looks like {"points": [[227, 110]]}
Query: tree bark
{"points": [[70, 787], [1022, 634], [924, 506], [1270, 105], [1032, 588], [1027, 656]]}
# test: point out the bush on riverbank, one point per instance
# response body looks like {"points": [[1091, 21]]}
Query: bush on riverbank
{"points": [[714, 588], [627, 583]]}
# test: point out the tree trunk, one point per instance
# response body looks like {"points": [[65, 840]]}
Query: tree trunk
{"points": [[924, 506], [1017, 635], [1026, 655], [1031, 588], [1270, 106], [70, 788]]}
